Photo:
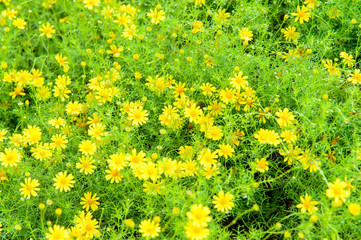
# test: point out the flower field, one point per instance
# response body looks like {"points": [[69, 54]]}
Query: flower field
{"points": [[187, 119]]}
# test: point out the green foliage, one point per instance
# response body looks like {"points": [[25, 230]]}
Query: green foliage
{"points": [[111, 85]]}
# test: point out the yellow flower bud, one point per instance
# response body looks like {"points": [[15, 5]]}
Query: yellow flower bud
{"points": [[176, 210]]}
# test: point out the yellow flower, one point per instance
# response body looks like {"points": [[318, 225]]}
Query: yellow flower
{"points": [[200, 2], [57, 232], [333, 13], [223, 202], [347, 59], [216, 108], [74, 108], [246, 35], [18, 91], [228, 95], [10, 157], [199, 215], [355, 78], [288, 136], [3, 132], [354, 209], [210, 171], [57, 122], [129, 223], [302, 14], [214, 133], [239, 81], [41, 151], [149, 228], [207, 89], [32, 134], [59, 141], [96, 130], [190, 168], [179, 89], [123, 19], [58, 211], [88, 227], [117, 161], [290, 33], [87, 147], [86, 165], [262, 165], [47, 30], [147, 170], [310, 3], [207, 157], [94, 119], [62, 81], [19, 23], [338, 192], [115, 50], [138, 116], [89, 201], [285, 117], [135, 159], [265, 136], [193, 112], [309, 161], [291, 154], [90, 4], [195, 231], [113, 175], [63, 181], [307, 204], [29, 188], [156, 17], [61, 60], [129, 32], [225, 150], [331, 68], [222, 16]]}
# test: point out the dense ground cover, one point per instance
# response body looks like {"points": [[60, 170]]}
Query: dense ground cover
{"points": [[187, 119]]}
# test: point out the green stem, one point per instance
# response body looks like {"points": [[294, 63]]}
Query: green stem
{"points": [[238, 217]]}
